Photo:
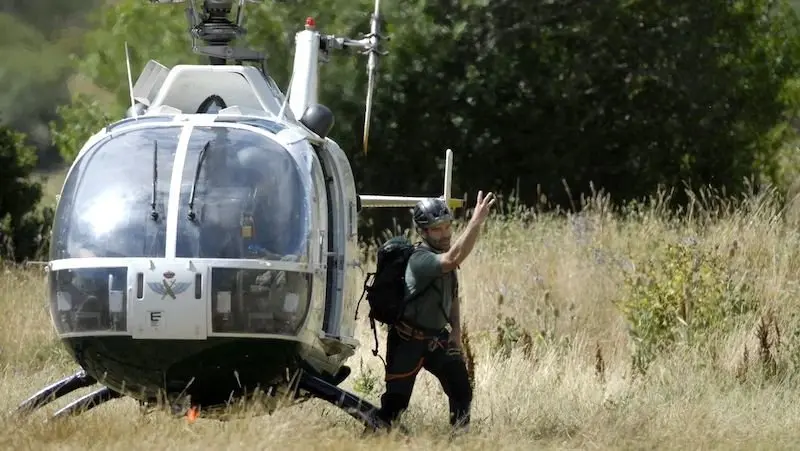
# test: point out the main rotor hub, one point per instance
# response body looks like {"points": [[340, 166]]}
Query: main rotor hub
{"points": [[210, 24], [215, 28], [218, 7]]}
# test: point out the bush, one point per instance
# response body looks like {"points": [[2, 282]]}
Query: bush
{"points": [[24, 230], [681, 294]]}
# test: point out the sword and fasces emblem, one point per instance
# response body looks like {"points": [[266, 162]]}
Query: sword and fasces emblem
{"points": [[169, 286]]}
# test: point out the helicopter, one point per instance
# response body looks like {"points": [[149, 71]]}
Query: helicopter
{"points": [[201, 244]]}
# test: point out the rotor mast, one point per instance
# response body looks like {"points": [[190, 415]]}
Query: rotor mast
{"points": [[211, 25]]}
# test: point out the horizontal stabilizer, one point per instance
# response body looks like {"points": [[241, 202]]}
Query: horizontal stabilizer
{"points": [[377, 201], [382, 201]]}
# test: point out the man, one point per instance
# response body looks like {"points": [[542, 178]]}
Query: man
{"points": [[421, 339]]}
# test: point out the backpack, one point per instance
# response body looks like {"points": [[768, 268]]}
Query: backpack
{"points": [[385, 288]]}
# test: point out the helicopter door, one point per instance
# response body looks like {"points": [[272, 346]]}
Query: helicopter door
{"points": [[168, 302]]}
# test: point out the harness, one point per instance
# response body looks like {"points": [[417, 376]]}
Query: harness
{"points": [[407, 330]]}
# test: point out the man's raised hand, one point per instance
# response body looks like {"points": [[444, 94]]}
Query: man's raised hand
{"points": [[483, 206]]}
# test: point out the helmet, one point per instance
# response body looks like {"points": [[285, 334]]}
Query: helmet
{"points": [[431, 211]]}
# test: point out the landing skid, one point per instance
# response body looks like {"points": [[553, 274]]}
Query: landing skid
{"points": [[363, 411], [87, 402], [57, 390]]}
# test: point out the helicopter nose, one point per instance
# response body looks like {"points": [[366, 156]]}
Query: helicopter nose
{"points": [[163, 299], [169, 303]]}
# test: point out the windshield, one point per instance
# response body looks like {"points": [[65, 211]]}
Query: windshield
{"points": [[252, 197], [105, 208]]}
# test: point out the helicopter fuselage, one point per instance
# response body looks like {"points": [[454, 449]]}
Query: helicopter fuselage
{"points": [[202, 248], [202, 255]]}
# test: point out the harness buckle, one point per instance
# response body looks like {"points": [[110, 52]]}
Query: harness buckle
{"points": [[434, 343]]}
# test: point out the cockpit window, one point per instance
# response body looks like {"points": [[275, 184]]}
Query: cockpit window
{"points": [[243, 195], [105, 209]]}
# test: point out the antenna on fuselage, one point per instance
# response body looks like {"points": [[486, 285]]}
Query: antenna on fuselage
{"points": [[130, 81]]}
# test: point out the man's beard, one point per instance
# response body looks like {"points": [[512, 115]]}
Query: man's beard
{"points": [[442, 244]]}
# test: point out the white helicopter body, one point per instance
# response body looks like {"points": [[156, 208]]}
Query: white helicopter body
{"points": [[202, 245]]}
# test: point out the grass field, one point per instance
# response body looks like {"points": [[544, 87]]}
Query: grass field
{"points": [[560, 373]]}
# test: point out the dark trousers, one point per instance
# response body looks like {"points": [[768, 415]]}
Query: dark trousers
{"points": [[406, 355]]}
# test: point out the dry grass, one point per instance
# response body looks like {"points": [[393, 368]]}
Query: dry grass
{"points": [[566, 383]]}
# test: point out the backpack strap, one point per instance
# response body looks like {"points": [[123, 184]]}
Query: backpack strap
{"points": [[455, 294], [419, 293], [367, 280], [375, 335]]}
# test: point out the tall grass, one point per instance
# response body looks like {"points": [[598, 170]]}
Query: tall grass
{"points": [[610, 329]]}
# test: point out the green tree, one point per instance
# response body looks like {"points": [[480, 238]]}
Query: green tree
{"points": [[33, 80], [624, 95], [628, 95], [24, 231], [36, 39], [49, 16], [270, 29], [102, 63]]}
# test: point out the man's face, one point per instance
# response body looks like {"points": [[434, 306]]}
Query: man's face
{"points": [[438, 236]]}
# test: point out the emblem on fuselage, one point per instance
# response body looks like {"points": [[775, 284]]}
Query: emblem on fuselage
{"points": [[169, 286]]}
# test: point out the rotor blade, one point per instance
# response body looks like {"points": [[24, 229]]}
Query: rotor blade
{"points": [[368, 112], [372, 65]]}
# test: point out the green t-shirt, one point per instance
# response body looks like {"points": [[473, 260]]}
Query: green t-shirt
{"points": [[428, 310]]}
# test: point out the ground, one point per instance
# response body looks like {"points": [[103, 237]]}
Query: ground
{"points": [[551, 351]]}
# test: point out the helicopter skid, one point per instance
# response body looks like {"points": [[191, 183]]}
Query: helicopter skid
{"points": [[87, 402], [308, 385], [55, 391], [358, 408], [190, 383]]}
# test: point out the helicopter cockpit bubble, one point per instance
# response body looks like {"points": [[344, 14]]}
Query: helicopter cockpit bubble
{"points": [[252, 198], [242, 195]]}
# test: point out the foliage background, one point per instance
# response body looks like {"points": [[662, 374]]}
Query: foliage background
{"points": [[544, 102]]}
